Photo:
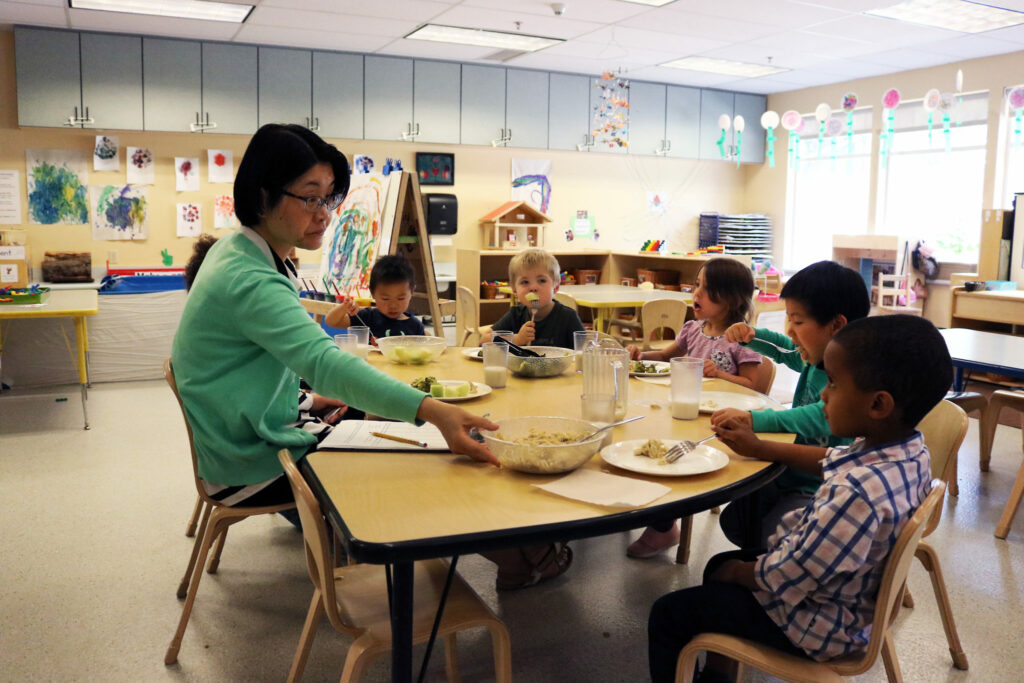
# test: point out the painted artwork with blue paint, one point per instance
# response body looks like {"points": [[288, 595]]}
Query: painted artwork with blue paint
{"points": [[56, 186], [119, 212]]}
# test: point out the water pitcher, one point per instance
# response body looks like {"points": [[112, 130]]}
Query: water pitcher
{"points": [[606, 371]]}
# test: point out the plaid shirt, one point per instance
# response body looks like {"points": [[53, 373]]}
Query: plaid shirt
{"points": [[820, 576]]}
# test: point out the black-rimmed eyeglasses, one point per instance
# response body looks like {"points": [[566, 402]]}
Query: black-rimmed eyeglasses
{"points": [[314, 204]]}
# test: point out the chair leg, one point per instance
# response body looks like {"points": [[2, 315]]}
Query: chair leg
{"points": [[201, 533], [451, 658], [190, 530], [686, 664], [908, 599], [313, 617], [360, 655], [683, 549], [892, 664], [1003, 527], [211, 568], [954, 487], [930, 560], [501, 645], [987, 426]]}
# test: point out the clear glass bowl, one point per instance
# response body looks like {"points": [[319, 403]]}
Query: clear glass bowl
{"points": [[542, 459], [411, 349], [555, 361]]}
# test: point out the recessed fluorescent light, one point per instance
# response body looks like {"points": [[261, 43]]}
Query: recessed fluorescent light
{"points": [[185, 9], [652, 3], [724, 66], [953, 15], [483, 38]]}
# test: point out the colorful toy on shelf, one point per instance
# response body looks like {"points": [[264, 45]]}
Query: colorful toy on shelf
{"points": [[653, 246], [20, 296]]}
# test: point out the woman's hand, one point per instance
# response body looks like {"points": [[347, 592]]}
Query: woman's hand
{"points": [[527, 333], [740, 332], [455, 424], [732, 416]]}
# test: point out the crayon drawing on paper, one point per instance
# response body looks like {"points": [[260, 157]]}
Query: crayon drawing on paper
{"points": [[119, 212], [224, 211], [57, 181]]}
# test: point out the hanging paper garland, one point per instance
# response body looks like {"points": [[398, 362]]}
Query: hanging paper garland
{"points": [[769, 121], [832, 129], [959, 92], [609, 120], [945, 105], [738, 124], [1016, 99], [723, 123], [931, 101], [822, 112], [890, 100], [849, 104], [791, 120]]}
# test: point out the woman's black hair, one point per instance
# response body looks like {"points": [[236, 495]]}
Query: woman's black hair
{"points": [[275, 157], [391, 269], [199, 250], [827, 290], [729, 282]]}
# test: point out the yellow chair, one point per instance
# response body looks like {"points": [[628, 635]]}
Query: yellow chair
{"points": [[996, 402], [791, 668], [355, 599], [213, 526], [658, 316]]}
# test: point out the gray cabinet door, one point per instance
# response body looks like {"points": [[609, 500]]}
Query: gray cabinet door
{"points": [[682, 122], [526, 108], [569, 113], [172, 77], [750, 107], [714, 103], [436, 95], [338, 95], [388, 97], [483, 104], [602, 144], [286, 86], [112, 80], [230, 84], [646, 117], [48, 74]]}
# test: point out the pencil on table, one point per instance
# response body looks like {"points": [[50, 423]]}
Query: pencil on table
{"points": [[400, 439]]}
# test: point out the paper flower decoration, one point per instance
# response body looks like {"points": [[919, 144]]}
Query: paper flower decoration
{"points": [[739, 125], [849, 104], [1016, 100], [770, 121], [791, 120], [724, 122], [849, 101], [891, 98], [833, 127], [822, 112], [932, 99]]}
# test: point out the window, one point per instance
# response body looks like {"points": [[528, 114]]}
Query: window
{"points": [[931, 191], [1013, 154], [828, 188]]}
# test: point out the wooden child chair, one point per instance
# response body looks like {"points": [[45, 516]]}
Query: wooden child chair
{"points": [[996, 402], [890, 289], [659, 316], [469, 314]]}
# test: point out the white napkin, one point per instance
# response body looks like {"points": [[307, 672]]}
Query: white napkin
{"points": [[663, 381], [600, 488]]}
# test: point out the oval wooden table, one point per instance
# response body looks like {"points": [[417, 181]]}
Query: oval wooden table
{"points": [[395, 508]]}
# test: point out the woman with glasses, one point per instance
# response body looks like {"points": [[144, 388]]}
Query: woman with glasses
{"points": [[245, 340]]}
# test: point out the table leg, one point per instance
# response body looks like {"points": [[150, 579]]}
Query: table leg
{"points": [[85, 336], [958, 379], [83, 372], [401, 622]]}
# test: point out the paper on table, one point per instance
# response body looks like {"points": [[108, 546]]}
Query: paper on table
{"points": [[600, 488], [663, 381], [355, 435]]}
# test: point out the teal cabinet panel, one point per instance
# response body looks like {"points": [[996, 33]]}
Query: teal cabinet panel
{"points": [[112, 80], [682, 122], [482, 116], [526, 108], [230, 87], [437, 93], [172, 78], [569, 111], [750, 107], [646, 118], [48, 74], [388, 98], [714, 103], [286, 86], [338, 95]]}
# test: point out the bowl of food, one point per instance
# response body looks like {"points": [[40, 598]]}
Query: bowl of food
{"points": [[554, 360], [542, 445], [411, 349], [975, 285]]}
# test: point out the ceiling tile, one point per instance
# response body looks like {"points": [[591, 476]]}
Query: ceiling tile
{"points": [[773, 12], [664, 74], [36, 14], [970, 47], [849, 69], [826, 46], [758, 86], [1012, 5], [503, 20], [848, 5], [700, 25], [325, 21], [307, 38], [904, 59], [891, 32], [405, 10], [426, 49], [652, 40], [600, 11], [1014, 34], [153, 26]]}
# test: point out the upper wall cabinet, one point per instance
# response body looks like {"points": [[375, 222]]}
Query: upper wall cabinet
{"points": [[338, 95], [230, 87], [112, 80], [436, 97], [526, 108], [647, 118], [388, 97], [286, 86], [482, 116], [751, 107], [173, 79], [569, 113], [682, 122]]}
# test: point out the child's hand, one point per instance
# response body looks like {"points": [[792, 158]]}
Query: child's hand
{"points": [[634, 352], [732, 416], [738, 437], [349, 306], [328, 409], [740, 332], [527, 333], [710, 368]]}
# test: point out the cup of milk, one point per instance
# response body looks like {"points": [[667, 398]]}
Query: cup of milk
{"points": [[495, 356], [687, 375]]}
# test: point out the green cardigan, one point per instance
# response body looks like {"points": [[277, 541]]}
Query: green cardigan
{"points": [[242, 344]]}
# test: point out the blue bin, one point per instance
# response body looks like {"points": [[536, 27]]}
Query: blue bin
{"points": [[141, 284]]}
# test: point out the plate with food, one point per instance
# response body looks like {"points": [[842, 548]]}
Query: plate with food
{"points": [[649, 368], [474, 353], [646, 457], [450, 390], [710, 401]]}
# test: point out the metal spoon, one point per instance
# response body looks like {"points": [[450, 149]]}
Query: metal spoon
{"points": [[612, 424]]}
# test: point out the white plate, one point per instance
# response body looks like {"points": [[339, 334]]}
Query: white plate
{"points": [[710, 401], [655, 363], [703, 459], [471, 353], [476, 390]]}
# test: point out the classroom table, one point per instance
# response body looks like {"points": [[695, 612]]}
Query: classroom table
{"points": [[396, 508], [1002, 354], [604, 299], [76, 304]]}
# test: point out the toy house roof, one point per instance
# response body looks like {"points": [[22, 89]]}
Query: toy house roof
{"points": [[518, 207]]}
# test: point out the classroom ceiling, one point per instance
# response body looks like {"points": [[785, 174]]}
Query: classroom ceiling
{"points": [[820, 41]]}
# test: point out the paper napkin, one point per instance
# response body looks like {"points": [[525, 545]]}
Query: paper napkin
{"points": [[600, 488]]}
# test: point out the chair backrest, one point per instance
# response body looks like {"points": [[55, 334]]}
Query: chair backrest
{"points": [[890, 592], [661, 314], [765, 377], [944, 428], [468, 312], [602, 336], [893, 286], [173, 384], [566, 300]]}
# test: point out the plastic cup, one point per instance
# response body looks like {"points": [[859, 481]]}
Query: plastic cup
{"points": [[347, 342], [687, 375], [597, 407], [502, 334], [362, 335], [495, 364], [578, 340]]}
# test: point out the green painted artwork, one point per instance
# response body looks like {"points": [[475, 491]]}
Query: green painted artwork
{"points": [[56, 186]]}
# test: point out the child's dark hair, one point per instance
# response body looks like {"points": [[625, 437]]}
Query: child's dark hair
{"points": [[389, 270], [729, 282], [276, 156], [199, 250], [828, 290], [901, 354]]}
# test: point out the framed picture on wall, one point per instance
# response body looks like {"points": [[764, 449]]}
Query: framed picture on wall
{"points": [[435, 168]]}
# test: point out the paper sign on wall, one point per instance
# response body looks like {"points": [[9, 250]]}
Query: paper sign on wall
{"points": [[224, 211], [220, 166], [186, 174], [104, 154], [10, 198], [140, 166], [189, 223]]}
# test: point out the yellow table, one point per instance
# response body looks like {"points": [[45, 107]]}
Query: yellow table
{"points": [[76, 304], [395, 508], [604, 299]]}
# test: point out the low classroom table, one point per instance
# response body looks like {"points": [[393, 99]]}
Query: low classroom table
{"points": [[1001, 354], [396, 508], [76, 304]]}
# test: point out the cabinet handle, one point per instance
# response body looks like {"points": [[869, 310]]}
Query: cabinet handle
{"points": [[72, 120], [316, 123], [195, 125]]}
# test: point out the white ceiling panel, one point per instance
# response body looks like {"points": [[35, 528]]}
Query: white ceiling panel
{"points": [[651, 40], [809, 41], [405, 10], [880, 30], [1012, 5], [850, 69], [153, 26], [307, 38], [970, 47], [503, 20], [773, 12], [1013, 34], [902, 60], [664, 74], [599, 11], [429, 50], [700, 25], [324, 21], [37, 15], [848, 5]]}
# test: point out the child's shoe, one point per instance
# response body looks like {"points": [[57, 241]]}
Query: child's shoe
{"points": [[652, 542]]}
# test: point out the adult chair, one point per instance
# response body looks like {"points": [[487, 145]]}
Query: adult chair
{"points": [[792, 668], [659, 316], [996, 402], [213, 526], [355, 599]]}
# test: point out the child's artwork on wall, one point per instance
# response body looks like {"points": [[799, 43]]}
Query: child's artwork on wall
{"points": [[531, 182], [119, 212], [435, 169], [220, 165], [224, 211], [139, 165], [186, 174], [56, 186], [362, 163], [189, 223], [656, 202], [355, 237], [104, 154]]}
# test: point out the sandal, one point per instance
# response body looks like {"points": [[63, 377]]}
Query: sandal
{"points": [[554, 561]]}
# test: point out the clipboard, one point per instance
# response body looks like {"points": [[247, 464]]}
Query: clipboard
{"points": [[355, 435]]}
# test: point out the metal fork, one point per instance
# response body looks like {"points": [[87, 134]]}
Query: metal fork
{"points": [[776, 346], [684, 448]]}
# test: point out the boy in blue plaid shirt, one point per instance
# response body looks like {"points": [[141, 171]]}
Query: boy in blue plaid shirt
{"points": [[812, 592]]}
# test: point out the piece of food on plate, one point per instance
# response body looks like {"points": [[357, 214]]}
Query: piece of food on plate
{"points": [[423, 383], [639, 366], [654, 449]]}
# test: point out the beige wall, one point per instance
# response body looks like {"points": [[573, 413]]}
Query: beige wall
{"points": [[612, 187]]}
